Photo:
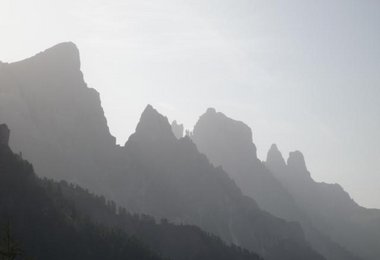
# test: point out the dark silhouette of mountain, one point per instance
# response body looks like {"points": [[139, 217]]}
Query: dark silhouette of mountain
{"points": [[228, 143], [59, 125], [48, 227], [164, 238], [330, 208], [169, 178], [57, 220], [57, 122]]}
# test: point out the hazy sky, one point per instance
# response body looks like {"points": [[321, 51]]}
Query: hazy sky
{"points": [[302, 74]]}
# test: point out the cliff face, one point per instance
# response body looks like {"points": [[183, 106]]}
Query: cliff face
{"points": [[229, 143], [170, 178], [42, 224], [57, 122], [58, 220], [59, 125]]}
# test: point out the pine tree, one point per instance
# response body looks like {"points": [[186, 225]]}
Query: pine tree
{"points": [[9, 248]]}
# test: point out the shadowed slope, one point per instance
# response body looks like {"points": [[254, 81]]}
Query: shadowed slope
{"points": [[49, 227], [59, 125], [172, 179], [56, 220], [228, 143], [57, 122]]}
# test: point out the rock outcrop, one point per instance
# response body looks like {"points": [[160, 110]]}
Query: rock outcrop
{"points": [[57, 121], [177, 129], [4, 134], [170, 178], [275, 158], [229, 143]]}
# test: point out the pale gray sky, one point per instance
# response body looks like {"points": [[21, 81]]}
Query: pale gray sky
{"points": [[302, 74]]}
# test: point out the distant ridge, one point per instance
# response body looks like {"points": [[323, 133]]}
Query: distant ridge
{"points": [[57, 220], [59, 125], [330, 208], [179, 183], [229, 143]]}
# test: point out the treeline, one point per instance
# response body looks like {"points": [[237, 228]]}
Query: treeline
{"points": [[48, 227], [177, 241], [57, 220]]}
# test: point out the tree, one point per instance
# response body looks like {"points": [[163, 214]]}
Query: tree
{"points": [[9, 248]]}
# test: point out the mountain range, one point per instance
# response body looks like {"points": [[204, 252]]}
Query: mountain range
{"points": [[210, 178], [46, 219], [329, 207], [229, 143]]}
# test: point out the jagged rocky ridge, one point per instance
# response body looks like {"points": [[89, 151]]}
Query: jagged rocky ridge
{"points": [[175, 181], [60, 127], [42, 226], [330, 208], [57, 122], [57, 220], [228, 143]]}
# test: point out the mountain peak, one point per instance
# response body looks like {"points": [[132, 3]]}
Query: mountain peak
{"points": [[67, 46], [296, 161], [274, 157], [152, 124], [62, 56], [4, 134], [211, 110], [274, 148], [66, 52], [220, 121], [151, 113], [215, 128], [64, 48]]}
